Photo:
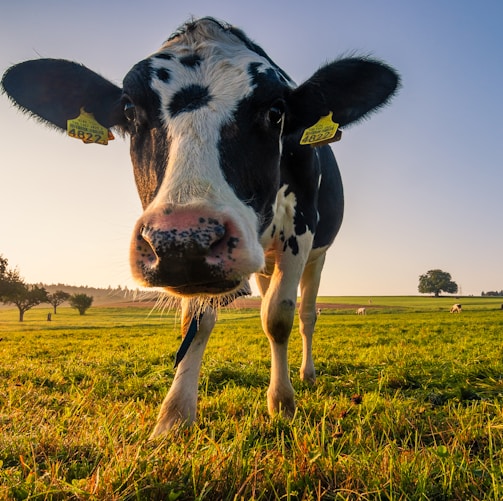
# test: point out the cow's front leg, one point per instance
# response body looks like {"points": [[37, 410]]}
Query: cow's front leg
{"points": [[180, 404], [309, 285], [278, 312]]}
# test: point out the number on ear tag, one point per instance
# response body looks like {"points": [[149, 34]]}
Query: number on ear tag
{"points": [[322, 132], [86, 128]]}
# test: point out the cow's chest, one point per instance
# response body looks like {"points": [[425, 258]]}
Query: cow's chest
{"points": [[282, 234]]}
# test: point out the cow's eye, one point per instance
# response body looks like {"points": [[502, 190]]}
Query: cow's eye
{"points": [[276, 112], [130, 111]]}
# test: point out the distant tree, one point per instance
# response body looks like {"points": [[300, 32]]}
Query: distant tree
{"points": [[81, 302], [13, 290], [26, 297], [57, 298], [435, 282]]}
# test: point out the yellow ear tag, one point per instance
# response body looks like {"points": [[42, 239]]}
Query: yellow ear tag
{"points": [[86, 128], [322, 132]]}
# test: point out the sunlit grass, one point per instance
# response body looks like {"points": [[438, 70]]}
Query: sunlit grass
{"points": [[408, 405]]}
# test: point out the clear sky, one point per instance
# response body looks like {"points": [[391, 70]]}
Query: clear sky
{"points": [[423, 178]]}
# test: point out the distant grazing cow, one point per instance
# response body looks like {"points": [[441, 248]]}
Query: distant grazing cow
{"points": [[233, 178], [456, 308], [361, 311], [318, 312]]}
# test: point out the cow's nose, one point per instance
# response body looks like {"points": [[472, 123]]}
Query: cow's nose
{"points": [[186, 252], [199, 240]]}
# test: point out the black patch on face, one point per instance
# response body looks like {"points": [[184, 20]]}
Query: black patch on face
{"points": [[163, 74], [191, 60], [249, 145], [189, 98]]}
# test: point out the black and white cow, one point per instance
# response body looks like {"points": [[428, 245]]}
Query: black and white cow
{"points": [[227, 188]]}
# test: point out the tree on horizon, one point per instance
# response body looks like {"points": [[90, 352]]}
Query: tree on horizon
{"points": [[13, 290], [435, 282]]}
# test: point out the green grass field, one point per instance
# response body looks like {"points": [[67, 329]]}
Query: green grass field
{"points": [[408, 405]]}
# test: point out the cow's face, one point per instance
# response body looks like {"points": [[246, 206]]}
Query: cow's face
{"points": [[206, 115], [205, 121]]}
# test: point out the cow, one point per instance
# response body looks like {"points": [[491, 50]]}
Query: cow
{"points": [[361, 311], [234, 173], [456, 308]]}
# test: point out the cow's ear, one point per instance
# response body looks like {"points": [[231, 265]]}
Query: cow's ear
{"points": [[349, 88], [55, 90]]}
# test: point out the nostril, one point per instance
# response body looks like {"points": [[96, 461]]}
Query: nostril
{"points": [[144, 248]]}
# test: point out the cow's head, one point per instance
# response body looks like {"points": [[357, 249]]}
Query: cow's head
{"points": [[207, 115]]}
